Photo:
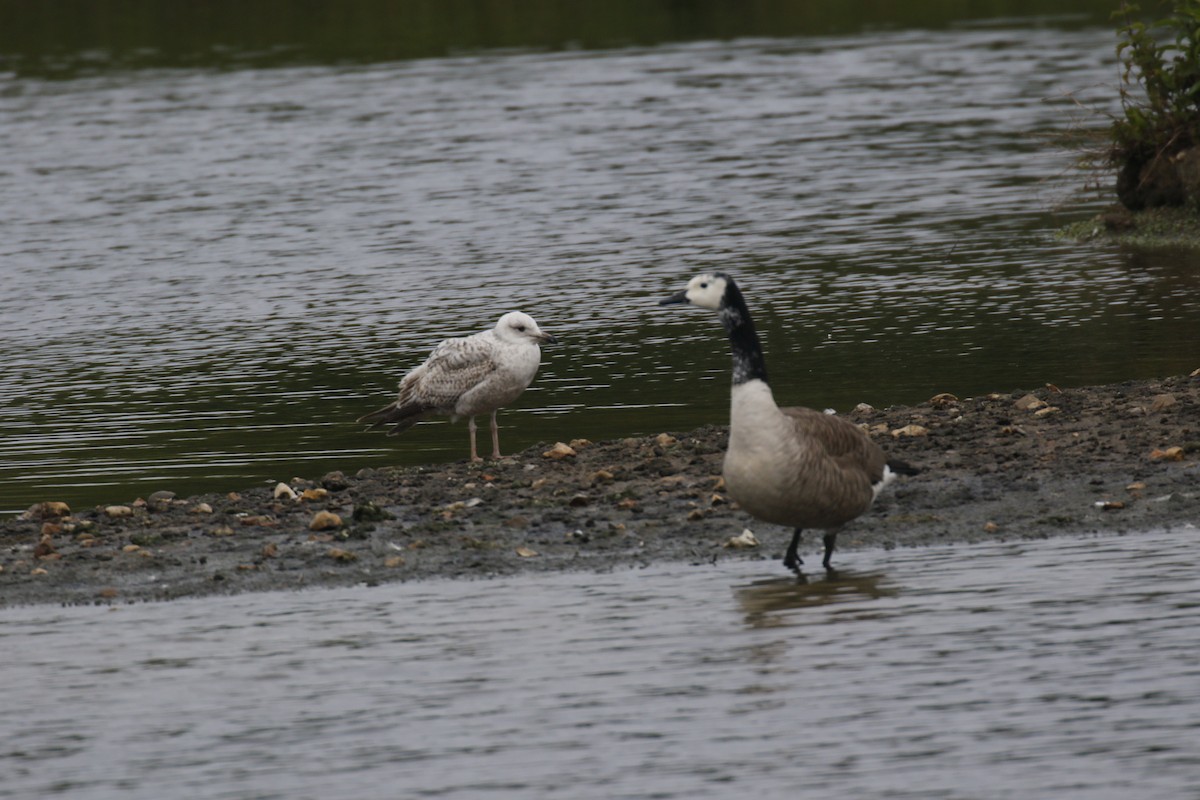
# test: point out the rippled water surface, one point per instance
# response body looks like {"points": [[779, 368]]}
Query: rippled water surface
{"points": [[210, 274], [1063, 668]]}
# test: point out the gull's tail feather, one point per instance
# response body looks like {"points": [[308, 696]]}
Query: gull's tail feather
{"points": [[401, 418]]}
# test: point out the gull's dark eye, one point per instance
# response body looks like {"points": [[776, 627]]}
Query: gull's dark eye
{"points": [[704, 286], [521, 328]]}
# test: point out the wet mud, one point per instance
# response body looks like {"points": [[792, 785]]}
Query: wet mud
{"points": [[1027, 464]]}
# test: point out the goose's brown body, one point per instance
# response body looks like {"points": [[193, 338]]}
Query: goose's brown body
{"points": [[790, 466]]}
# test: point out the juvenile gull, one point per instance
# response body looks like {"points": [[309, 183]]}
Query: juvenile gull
{"points": [[462, 377], [790, 466]]}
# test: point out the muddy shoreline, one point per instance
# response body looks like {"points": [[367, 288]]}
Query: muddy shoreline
{"points": [[1024, 464]]}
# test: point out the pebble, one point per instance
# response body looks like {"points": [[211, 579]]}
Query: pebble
{"points": [[284, 492], [559, 451], [744, 539], [324, 520], [1030, 403], [910, 430], [51, 508], [1170, 454], [116, 512]]}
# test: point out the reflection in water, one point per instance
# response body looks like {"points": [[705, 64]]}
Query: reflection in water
{"points": [[767, 603]]}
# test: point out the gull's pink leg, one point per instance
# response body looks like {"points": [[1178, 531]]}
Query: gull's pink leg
{"points": [[495, 437], [471, 427]]}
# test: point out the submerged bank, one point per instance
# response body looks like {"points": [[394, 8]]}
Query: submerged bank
{"points": [[1118, 458]]}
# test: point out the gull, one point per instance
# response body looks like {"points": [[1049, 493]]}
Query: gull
{"points": [[463, 377]]}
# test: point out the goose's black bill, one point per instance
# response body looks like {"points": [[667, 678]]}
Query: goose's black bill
{"points": [[678, 297]]}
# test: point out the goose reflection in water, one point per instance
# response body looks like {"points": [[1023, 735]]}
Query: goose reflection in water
{"points": [[766, 602]]}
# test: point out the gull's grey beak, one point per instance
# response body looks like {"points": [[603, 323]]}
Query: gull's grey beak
{"points": [[546, 338], [678, 297]]}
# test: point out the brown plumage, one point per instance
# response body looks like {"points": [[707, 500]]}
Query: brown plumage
{"points": [[790, 466]]}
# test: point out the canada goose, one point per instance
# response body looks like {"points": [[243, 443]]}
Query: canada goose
{"points": [[465, 376], [790, 466]]}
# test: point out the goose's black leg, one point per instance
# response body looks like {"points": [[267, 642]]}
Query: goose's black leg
{"points": [[791, 559], [830, 542]]}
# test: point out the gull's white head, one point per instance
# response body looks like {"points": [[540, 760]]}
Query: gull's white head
{"points": [[706, 290], [517, 328]]}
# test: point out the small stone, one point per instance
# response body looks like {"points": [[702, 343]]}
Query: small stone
{"points": [[878, 428], [39, 571], [525, 552], [335, 481], [717, 500], [942, 400], [539, 483], [1047, 411], [1170, 454], [200, 508], [665, 440], [116, 512], [1109, 505], [233, 497], [864, 408], [990, 527], [627, 504], [52, 508], [131, 548], [579, 444], [517, 522], [1029, 403], [559, 451], [52, 529], [910, 430], [1136, 486], [284, 492], [314, 494], [695, 514], [744, 539], [221, 530], [258, 520], [391, 562], [325, 520], [579, 500], [269, 550], [338, 554], [601, 476], [1162, 402]]}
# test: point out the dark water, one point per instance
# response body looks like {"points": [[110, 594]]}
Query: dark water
{"points": [[1063, 668], [210, 273]]}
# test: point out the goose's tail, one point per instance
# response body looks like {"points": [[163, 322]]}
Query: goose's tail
{"points": [[899, 467]]}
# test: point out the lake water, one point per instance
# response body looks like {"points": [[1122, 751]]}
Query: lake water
{"points": [[210, 273], [1064, 668]]}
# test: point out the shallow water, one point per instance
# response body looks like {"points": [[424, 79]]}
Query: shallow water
{"points": [[211, 274], [1062, 668]]}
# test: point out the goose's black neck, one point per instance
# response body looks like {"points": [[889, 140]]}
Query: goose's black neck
{"points": [[748, 364]]}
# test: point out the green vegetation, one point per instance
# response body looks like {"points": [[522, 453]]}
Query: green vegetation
{"points": [[1160, 97]]}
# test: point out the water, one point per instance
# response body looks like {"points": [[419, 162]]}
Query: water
{"points": [[211, 273], [1062, 668]]}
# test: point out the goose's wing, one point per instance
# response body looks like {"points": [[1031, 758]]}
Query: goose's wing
{"points": [[842, 441], [455, 367]]}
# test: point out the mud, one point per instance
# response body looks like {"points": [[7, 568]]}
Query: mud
{"points": [[998, 467]]}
